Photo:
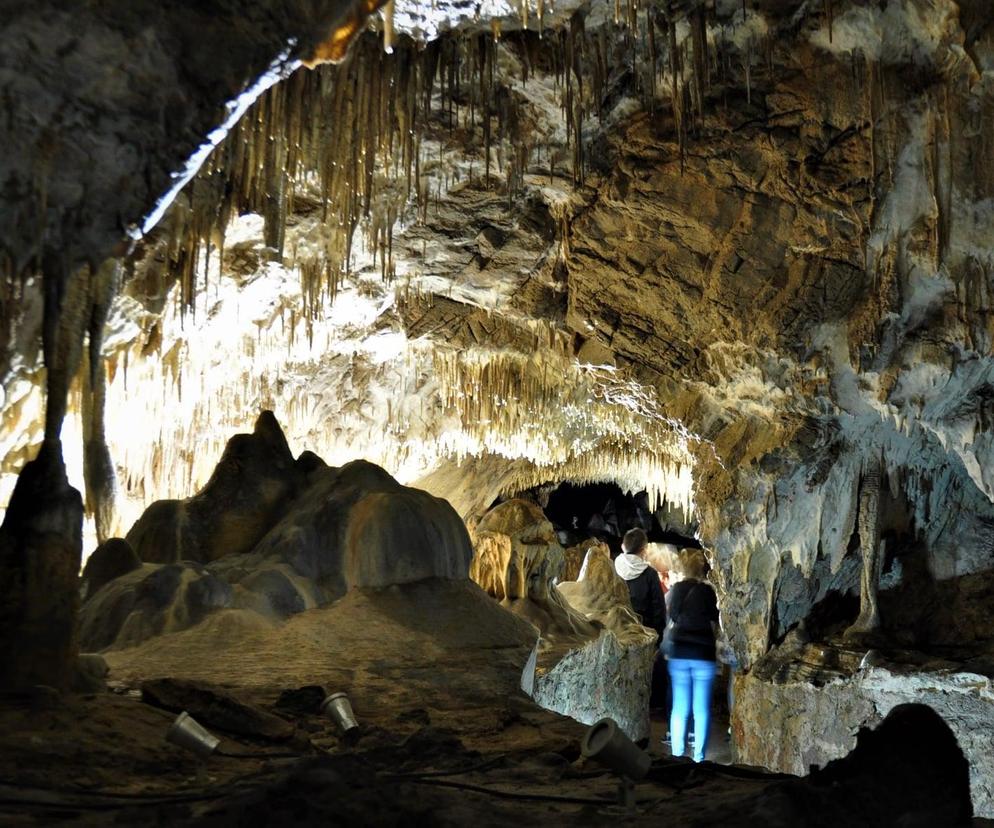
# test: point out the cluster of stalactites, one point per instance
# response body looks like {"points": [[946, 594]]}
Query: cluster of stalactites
{"points": [[570, 421], [350, 140]]}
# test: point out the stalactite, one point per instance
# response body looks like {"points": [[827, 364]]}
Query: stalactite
{"points": [[98, 467], [701, 61], [676, 102], [64, 325]]}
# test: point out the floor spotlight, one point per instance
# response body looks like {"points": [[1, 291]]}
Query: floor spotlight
{"points": [[188, 733], [606, 743]]}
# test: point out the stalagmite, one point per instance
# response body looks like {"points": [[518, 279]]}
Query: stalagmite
{"points": [[868, 622]]}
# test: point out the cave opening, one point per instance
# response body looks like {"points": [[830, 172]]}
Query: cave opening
{"points": [[604, 511]]}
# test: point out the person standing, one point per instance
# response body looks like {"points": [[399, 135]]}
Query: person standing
{"points": [[689, 646], [642, 581], [646, 594]]}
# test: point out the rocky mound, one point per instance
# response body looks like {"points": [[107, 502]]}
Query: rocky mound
{"points": [[271, 535]]}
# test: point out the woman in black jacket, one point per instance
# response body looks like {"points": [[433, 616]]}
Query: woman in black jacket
{"points": [[689, 645]]}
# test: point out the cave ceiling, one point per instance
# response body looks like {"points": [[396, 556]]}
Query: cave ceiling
{"points": [[723, 251]]}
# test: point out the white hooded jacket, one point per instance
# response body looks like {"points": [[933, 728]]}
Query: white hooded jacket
{"points": [[629, 567]]}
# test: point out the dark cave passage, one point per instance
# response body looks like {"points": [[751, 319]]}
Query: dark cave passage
{"points": [[604, 511]]}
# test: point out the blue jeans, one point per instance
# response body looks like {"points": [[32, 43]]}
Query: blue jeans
{"points": [[690, 679]]}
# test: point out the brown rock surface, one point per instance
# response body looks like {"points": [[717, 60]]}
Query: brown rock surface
{"points": [[253, 484]]}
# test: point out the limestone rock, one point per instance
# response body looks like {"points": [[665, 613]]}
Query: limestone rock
{"points": [[151, 600], [247, 494], [908, 771], [517, 558], [353, 526], [357, 526], [110, 560], [574, 557], [583, 667], [602, 596], [816, 714], [602, 677], [40, 548], [398, 537], [619, 662]]}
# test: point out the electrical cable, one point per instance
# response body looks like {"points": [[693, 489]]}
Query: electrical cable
{"points": [[489, 763], [231, 755], [527, 797], [124, 797]]}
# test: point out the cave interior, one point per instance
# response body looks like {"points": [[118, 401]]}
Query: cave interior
{"points": [[342, 341]]}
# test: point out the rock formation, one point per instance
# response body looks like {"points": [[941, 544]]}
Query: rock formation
{"points": [[593, 658], [737, 256], [272, 536]]}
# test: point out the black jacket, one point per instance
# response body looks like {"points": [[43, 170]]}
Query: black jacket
{"points": [[647, 599], [693, 606]]}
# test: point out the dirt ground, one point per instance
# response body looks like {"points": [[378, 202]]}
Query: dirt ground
{"points": [[446, 738]]}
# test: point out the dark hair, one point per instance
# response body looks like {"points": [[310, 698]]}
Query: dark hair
{"points": [[635, 541]]}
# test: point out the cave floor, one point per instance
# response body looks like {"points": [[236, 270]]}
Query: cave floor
{"points": [[434, 695], [447, 737]]}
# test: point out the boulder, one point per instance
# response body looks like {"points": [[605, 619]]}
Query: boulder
{"points": [[111, 559]]}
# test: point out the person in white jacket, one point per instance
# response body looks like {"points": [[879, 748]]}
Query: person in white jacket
{"points": [[642, 580]]}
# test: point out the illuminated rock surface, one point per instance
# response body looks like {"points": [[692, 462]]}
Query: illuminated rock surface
{"points": [[738, 257], [817, 701]]}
